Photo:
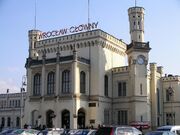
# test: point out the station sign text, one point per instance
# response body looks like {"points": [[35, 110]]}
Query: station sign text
{"points": [[72, 29]]}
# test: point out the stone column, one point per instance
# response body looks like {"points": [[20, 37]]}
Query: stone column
{"points": [[74, 89]]}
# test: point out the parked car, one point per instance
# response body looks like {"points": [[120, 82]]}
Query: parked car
{"points": [[160, 133], [6, 131], [54, 131], [175, 129], [73, 131], [118, 130], [82, 132], [92, 132], [24, 132]]}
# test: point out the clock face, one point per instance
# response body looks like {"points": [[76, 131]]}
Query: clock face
{"points": [[140, 60]]}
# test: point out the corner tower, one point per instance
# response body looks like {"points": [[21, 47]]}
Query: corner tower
{"points": [[34, 36], [136, 22]]}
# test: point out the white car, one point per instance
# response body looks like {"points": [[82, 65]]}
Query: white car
{"points": [[175, 129]]}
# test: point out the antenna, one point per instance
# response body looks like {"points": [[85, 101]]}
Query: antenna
{"points": [[35, 15], [135, 3], [88, 12]]}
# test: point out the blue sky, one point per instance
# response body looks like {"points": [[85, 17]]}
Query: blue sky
{"points": [[162, 29]]}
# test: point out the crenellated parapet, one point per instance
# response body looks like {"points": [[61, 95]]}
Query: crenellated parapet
{"points": [[167, 78], [120, 69], [81, 40]]}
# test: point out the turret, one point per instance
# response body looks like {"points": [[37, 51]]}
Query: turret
{"points": [[136, 21], [34, 36]]}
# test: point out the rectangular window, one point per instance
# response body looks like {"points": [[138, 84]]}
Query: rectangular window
{"points": [[141, 91], [122, 89], [92, 104], [106, 116], [167, 96], [106, 85], [10, 104], [122, 117], [158, 121], [119, 89], [158, 101], [141, 118]]}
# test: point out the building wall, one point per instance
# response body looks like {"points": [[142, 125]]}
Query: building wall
{"points": [[10, 107], [171, 105], [135, 93], [103, 52]]}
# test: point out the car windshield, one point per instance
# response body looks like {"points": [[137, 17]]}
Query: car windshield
{"points": [[124, 131], [18, 131]]}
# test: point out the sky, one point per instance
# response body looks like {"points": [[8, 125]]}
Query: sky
{"points": [[162, 29]]}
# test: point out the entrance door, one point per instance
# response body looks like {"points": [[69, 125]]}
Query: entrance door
{"points": [[65, 119], [81, 118], [49, 118]]}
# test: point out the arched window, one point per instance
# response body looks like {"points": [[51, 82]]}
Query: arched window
{"points": [[37, 85], [82, 82], [2, 122], [106, 85], [66, 81], [50, 83], [17, 122], [9, 122]]}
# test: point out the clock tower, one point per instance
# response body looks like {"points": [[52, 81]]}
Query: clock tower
{"points": [[138, 55]]}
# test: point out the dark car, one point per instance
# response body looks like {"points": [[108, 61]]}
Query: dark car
{"points": [[82, 132], [160, 133], [56, 131], [6, 131], [118, 130]]}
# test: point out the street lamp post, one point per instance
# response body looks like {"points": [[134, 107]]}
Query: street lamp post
{"points": [[22, 100]]}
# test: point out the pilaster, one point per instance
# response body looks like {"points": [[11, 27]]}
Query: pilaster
{"points": [[74, 73], [29, 84], [43, 76], [57, 73]]}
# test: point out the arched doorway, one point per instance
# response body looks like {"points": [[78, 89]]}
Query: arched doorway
{"points": [[81, 118], [65, 119], [8, 122], [2, 122], [18, 122], [49, 118], [35, 114]]}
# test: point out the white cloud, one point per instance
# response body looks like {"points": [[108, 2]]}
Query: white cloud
{"points": [[8, 84]]}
